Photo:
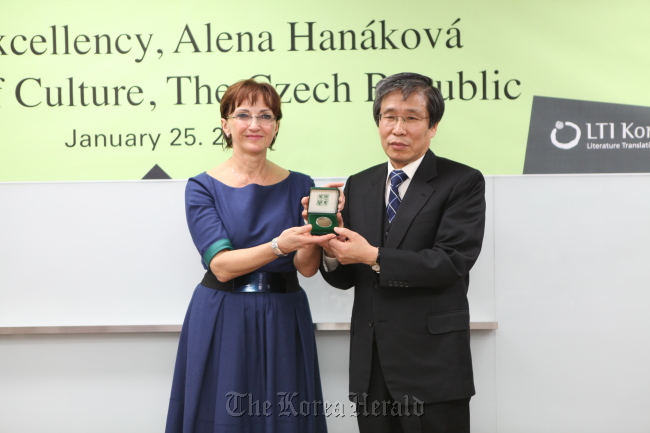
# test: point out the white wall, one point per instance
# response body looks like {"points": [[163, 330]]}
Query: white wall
{"points": [[573, 294]]}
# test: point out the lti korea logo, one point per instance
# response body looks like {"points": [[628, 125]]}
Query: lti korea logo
{"points": [[569, 136], [604, 131], [570, 144]]}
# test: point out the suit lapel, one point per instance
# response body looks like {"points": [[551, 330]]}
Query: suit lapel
{"points": [[373, 206], [417, 194]]}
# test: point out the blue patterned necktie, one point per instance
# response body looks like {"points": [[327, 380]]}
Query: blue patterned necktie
{"points": [[396, 179]]}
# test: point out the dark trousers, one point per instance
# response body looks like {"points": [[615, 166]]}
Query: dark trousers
{"points": [[380, 413]]}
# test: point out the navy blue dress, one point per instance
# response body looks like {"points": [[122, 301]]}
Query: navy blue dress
{"points": [[246, 362]]}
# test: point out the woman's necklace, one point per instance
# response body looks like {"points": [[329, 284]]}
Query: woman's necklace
{"points": [[268, 169]]}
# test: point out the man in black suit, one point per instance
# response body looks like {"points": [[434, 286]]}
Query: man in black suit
{"points": [[413, 230]]}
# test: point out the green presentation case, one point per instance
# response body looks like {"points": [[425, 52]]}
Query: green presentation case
{"points": [[322, 210]]}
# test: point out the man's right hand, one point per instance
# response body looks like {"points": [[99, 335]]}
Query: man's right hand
{"points": [[354, 248]]}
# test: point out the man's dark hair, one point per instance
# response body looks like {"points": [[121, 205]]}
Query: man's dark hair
{"points": [[408, 83]]}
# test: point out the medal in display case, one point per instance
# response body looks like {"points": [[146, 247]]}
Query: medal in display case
{"points": [[322, 210]]}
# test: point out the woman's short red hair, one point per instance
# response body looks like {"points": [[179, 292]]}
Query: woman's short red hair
{"points": [[249, 91]]}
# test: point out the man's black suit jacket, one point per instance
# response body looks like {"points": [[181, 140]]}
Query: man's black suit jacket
{"points": [[416, 307]]}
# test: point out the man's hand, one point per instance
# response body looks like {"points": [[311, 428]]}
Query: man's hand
{"points": [[354, 249]]}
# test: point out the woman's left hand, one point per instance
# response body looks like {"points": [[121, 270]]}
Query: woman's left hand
{"points": [[297, 238]]}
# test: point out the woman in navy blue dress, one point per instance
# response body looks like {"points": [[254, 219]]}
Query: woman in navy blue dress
{"points": [[247, 355]]}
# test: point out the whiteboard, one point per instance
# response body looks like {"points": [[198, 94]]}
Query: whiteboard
{"points": [[120, 253]]}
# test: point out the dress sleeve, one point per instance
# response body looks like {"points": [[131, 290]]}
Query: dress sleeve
{"points": [[207, 230]]}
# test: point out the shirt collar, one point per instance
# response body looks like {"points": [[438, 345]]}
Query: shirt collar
{"points": [[409, 168]]}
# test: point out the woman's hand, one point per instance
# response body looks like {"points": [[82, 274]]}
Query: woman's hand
{"points": [[298, 238], [229, 264]]}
